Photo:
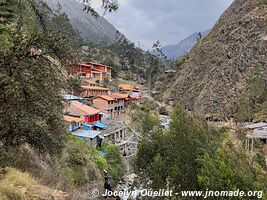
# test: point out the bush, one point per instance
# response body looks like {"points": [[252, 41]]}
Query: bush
{"points": [[83, 163], [163, 111], [115, 165]]}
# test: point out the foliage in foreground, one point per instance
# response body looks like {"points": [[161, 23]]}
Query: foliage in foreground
{"points": [[113, 158], [31, 79], [193, 156]]}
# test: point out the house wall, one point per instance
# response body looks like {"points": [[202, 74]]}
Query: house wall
{"points": [[93, 93], [117, 135], [91, 118], [73, 126], [118, 107]]}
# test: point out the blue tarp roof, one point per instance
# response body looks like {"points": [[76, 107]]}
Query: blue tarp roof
{"points": [[86, 134], [100, 125], [103, 153], [72, 97]]}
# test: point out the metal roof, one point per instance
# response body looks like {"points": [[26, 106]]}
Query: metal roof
{"points": [[86, 134], [256, 125]]}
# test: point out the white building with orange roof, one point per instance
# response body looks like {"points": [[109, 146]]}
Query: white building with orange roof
{"points": [[74, 123]]}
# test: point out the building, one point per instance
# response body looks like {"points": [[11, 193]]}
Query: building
{"points": [[88, 82], [130, 89], [126, 97], [116, 133], [106, 103], [119, 104], [93, 91], [92, 70], [69, 97], [113, 104], [74, 123], [87, 113], [255, 131], [93, 138], [135, 99]]}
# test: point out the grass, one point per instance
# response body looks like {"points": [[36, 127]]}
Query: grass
{"points": [[14, 185]]}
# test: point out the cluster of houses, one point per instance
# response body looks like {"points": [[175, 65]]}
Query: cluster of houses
{"points": [[89, 115]]}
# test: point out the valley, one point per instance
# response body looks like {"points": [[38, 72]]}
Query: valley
{"points": [[84, 111]]}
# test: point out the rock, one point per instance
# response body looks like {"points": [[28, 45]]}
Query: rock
{"points": [[221, 65]]}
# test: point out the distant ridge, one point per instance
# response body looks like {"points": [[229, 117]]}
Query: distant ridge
{"points": [[176, 51]]}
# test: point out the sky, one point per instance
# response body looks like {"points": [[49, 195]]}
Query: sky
{"points": [[169, 21]]}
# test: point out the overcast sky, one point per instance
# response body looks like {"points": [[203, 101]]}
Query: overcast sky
{"points": [[146, 21]]}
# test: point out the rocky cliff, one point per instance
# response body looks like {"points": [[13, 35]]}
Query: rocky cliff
{"points": [[97, 30], [222, 66]]}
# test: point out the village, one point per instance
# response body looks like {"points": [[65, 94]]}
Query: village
{"points": [[99, 115]]}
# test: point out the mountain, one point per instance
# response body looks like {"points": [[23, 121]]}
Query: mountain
{"points": [[225, 74], [175, 51], [97, 30]]}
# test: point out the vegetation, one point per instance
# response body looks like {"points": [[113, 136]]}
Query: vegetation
{"points": [[145, 117], [253, 100], [30, 72], [83, 162], [193, 156], [13, 179], [74, 83], [114, 161]]}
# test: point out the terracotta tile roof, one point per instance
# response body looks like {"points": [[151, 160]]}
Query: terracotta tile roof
{"points": [[124, 96], [94, 63], [126, 87], [72, 119], [106, 97], [117, 96], [95, 88], [77, 108], [89, 81], [134, 97]]}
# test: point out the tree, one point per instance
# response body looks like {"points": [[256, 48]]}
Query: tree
{"points": [[31, 81], [199, 36], [193, 156], [107, 5]]}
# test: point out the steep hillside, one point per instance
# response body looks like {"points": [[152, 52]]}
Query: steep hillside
{"points": [[97, 30], [175, 51], [227, 70]]}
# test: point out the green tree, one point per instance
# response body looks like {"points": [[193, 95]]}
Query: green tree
{"points": [[193, 156], [31, 107]]}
